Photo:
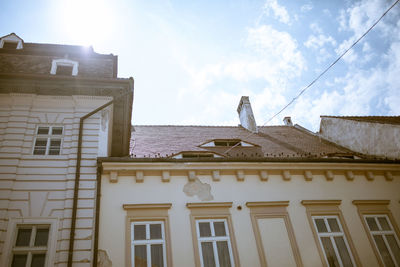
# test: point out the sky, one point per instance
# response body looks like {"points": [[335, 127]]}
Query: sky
{"points": [[193, 60]]}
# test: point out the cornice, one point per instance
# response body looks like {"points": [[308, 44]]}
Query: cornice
{"points": [[321, 202], [267, 204], [147, 206], [371, 202]]}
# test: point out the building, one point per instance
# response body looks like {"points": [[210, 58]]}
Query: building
{"points": [[61, 106], [378, 136], [246, 196]]}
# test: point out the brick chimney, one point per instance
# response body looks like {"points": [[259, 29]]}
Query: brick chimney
{"points": [[246, 115]]}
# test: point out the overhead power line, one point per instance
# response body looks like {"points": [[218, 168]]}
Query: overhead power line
{"points": [[326, 70]]}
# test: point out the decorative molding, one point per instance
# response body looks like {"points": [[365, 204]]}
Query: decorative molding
{"points": [[329, 175], [308, 176], [191, 176], [147, 206], [349, 175], [321, 202], [388, 176], [240, 175], [263, 175], [139, 176], [113, 177], [371, 202], [267, 203], [216, 176], [208, 205], [369, 175], [166, 177], [286, 175]]}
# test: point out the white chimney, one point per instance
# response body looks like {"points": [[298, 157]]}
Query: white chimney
{"points": [[246, 115], [288, 121]]}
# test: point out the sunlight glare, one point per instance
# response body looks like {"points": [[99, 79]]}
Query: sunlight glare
{"points": [[87, 22]]}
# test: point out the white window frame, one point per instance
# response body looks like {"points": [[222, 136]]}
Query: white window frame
{"points": [[148, 242], [11, 236], [382, 233], [213, 239], [48, 137], [331, 236], [11, 38], [64, 62]]}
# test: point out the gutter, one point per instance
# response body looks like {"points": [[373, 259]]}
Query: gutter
{"points": [[76, 187]]}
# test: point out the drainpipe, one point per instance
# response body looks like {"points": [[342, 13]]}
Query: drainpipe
{"points": [[76, 186]]}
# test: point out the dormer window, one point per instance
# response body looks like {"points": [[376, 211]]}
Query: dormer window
{"points": [[11, 41], [64, 67], [226, 143], [196, 155]]}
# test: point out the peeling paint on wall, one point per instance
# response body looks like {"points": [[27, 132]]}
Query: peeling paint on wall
{"points": [[103, 259], [199, 189]]}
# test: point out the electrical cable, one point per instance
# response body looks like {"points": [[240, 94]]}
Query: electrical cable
{"points": [[322, 73]]}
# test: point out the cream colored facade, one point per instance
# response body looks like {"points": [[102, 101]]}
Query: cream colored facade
{"points": [[267, 205], [38, 189]]}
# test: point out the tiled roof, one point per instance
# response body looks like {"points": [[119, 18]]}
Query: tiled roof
{"points": [[270, 141], [373, 119]]}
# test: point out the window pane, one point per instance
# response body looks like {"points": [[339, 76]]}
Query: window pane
{"points": [[55, 145], [38, 260], [140, 256], [394, 247], [384, 224], [205, 229], [10, 45], [321, 227], [40, 146], [64, 70], [42, 235], [19, 260], [372, 224], [43, 130], [56, 130], [155, 231], [23, 237], [219, 228], [140, 232], [329, 252], [387, 259], [157, 256], [333, 224], [343, 252], [208, 254], [223, 254]]}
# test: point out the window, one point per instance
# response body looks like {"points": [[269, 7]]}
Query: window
{"points": [[196, 155], [213, 237], [30, 246], [11, 41], [333, 241], [10, 45], [148, 244], [382, 230], [226, 143], [64, 66], [48, 140], [214, 243], [147, 235], [385, 239], [330, 233]]}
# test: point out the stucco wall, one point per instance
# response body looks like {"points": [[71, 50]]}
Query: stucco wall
{"points": [[124, 190], [369, 138], [39, 187]]}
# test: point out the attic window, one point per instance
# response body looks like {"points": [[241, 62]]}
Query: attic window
{"points": [[10, 45], [226, 143], [196, 155], [64, 67], [11, 41]]}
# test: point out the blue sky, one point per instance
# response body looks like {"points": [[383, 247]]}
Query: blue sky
{"points": [[193, 60]]}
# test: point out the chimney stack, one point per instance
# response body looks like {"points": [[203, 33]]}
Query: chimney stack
{"points": [[288, 121], [246, 115]]}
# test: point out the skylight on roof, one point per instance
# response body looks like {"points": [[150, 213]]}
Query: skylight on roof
{"points": [[226, 143]]}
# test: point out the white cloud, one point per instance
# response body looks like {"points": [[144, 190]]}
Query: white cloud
{"points": [[306, 7], [278, 11], [319, 41], [315, 28]]}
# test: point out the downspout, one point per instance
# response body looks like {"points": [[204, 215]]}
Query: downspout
{"points": [[97, 219], [77, 177]]}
